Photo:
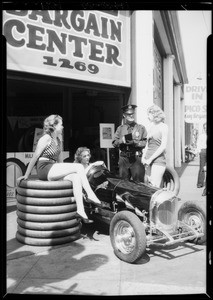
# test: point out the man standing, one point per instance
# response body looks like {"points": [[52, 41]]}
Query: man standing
{"points": [[201, 148], [130, 138]]}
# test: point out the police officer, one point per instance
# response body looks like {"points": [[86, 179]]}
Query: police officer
{"points": [[130, 138]]}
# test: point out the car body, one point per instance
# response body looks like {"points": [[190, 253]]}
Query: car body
{"points": [[140, 215]]}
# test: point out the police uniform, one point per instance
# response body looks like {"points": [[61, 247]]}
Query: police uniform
{"points": [[130, 139]]}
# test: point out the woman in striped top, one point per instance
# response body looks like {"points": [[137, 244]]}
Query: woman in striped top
{"points": [[50, 165]]}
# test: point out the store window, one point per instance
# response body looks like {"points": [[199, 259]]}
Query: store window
{"points": [[82, 106]]}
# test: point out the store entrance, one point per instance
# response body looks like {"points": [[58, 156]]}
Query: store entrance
{"points": [[82, 106]]}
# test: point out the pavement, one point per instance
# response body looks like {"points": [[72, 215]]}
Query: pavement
{"points": [[88, 266]]}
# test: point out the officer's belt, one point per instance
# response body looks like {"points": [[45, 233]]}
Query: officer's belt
{"points": [[128, 153]]}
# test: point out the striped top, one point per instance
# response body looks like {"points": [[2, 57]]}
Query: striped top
{"points": [[53, 150]]}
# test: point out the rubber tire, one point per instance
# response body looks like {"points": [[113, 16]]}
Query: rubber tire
{"points": [[139, 231], [193, 206], [46, 242], [44, 201], [171, 175], [47, 234], [36, 183], [34, 209], [49, 225], [44, 193], [46, 212], [15, 161], [46, 218]]}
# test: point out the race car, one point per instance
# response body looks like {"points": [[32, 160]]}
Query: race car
{"points": [[140, 215]]}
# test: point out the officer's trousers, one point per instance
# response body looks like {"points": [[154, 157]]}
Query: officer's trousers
{"points": [[131, 168]]}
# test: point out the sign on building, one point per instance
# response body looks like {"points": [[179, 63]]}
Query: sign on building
{"points": [[78, 44], [195, 103]]}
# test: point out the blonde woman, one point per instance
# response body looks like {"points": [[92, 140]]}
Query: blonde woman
{"points": [[83, 155], [153, 156], [50, 165]]}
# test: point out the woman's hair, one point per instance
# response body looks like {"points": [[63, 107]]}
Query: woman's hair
{"points": [[78, 154], [158, 114], [50, 123]]}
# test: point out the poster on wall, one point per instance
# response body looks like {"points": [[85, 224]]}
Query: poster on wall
{"points": [[106, 135], [76, 44]]}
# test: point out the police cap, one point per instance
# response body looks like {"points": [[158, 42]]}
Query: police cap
{"points": [[129, 109]]}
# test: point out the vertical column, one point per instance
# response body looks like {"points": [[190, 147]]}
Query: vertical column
{"points": [[177, 127], [142, 63], [169, 106], [182, 104]]}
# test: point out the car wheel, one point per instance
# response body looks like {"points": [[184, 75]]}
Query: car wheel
{"points": [[128, 237], [171, 180], [193, 215]]}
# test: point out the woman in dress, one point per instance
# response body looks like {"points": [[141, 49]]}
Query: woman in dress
{"points": [[153, 156], [50, 165]]}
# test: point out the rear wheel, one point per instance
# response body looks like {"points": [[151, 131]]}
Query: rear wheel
{"points": [[193, 215], [128, 237]]}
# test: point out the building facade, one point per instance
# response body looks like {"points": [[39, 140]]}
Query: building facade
{"points": [[85, 65]]}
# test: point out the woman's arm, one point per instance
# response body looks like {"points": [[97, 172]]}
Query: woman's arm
{"points": [[42, 144], [60, 157]]}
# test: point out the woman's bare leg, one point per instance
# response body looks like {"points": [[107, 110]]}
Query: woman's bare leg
{"points": [[77, 191], [60, 170], [157, 172]]}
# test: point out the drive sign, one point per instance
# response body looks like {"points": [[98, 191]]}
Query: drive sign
{"points": [[195, 104]]}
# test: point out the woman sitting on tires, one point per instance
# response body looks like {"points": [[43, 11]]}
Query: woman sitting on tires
{"points": [[50, 165]]}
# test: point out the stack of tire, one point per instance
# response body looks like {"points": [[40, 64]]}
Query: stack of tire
{"points": [[46, 213]]}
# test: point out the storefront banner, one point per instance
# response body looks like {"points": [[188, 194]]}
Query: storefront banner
{"points": [[195, 103], [80, 44], [25, 122]]}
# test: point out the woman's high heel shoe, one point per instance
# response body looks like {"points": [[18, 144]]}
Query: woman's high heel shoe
{"points": [[83, 219]]}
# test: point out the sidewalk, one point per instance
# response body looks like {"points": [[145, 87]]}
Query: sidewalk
{"points": [[188, 174], [88, 266]]}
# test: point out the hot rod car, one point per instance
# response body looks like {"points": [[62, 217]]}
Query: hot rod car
{"points": [[140, 215]]}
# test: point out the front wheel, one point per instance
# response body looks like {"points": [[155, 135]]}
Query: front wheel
{"points": [[128, 237], [193, 215]]}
